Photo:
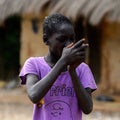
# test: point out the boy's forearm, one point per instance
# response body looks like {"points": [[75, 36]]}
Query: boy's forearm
{"points": [[84, 99], [40, 88]]}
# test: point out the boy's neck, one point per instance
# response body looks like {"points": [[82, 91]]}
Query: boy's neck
{"points": [[52, 60]]}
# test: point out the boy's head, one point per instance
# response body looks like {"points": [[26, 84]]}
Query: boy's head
{"points": [[52, 23]]}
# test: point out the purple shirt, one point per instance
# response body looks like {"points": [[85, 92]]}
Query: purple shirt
{"points": [[60, 103]]}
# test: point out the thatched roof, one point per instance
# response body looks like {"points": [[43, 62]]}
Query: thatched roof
{"points": [[92, 10]]}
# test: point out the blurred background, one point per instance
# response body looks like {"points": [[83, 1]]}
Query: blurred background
{"points": [[98, 21]]}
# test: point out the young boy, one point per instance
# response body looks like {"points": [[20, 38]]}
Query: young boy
{"points": [[59, 84]]}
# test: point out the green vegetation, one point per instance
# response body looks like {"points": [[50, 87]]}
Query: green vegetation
{"points": [[10, 47]]}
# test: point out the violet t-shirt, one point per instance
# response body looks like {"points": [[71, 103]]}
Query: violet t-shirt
{"points": [[60, 103]]}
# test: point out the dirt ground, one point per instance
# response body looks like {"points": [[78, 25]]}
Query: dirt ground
{"points": [[15, 105]]}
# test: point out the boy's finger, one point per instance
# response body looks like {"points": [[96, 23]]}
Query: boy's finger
{"points": [[79, 43], [70, 45], [84, 46]]}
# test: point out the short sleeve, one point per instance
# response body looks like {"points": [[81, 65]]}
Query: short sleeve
{"points": [[28, 67], [86, 77]]}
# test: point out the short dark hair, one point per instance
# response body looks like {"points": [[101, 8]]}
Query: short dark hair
{"points": [[51, 23]]}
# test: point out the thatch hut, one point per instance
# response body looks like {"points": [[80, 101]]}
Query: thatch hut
{"points": [[97, 20]]}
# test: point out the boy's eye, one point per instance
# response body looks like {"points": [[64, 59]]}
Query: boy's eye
{"points": [[63, 39]]}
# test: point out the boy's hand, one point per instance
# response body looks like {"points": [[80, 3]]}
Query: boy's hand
{"points": [[82, 54], [74, 54]]}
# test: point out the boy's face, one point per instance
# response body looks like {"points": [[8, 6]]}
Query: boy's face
{"points": [[60, 39]]}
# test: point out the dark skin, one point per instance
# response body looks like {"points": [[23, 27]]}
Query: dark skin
{"points": [[62, 58]]}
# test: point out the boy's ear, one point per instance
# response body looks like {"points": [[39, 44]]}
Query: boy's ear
{"points": [[45, 39]]}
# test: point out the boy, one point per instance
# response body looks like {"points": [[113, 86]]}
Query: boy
{"points": [[59, 84]]}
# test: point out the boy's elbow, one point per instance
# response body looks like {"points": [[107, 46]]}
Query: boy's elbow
{"points": [[34, 99], [88, 110]]}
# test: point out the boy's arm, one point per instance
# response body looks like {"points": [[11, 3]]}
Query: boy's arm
{"points": [[83, 95], [36, 88]]}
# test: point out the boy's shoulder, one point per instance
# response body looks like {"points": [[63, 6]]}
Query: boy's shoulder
{"points": [[35, 61], [35, 58], [83, 64]]}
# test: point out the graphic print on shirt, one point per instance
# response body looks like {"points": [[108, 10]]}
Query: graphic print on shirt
{"points": [[62, 91], [59, 110]]}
